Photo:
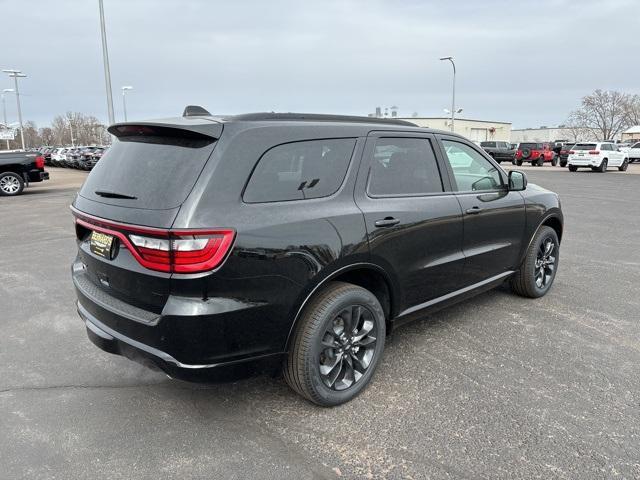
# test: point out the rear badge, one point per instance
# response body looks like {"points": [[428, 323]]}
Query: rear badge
{"points": [[103, 245]]}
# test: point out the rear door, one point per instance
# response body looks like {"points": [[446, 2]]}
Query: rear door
{"points": [[494, 217], [414, 223]]}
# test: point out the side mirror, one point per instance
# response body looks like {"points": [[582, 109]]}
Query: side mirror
{"points": [[517, 181]]}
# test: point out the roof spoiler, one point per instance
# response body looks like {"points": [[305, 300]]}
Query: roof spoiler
{"points": [[195, 111]]}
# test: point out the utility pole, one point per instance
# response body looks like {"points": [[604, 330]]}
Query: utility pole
{"points": [[105, 60]]}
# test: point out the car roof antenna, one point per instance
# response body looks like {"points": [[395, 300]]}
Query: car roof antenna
{"points": [[195, 111]]}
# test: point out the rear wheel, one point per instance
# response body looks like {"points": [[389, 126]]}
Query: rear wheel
{"points": [[603, 166], [11, 184], [538, 269], [540, 161], [337, 345], [625, 164], [563, 163], [573, 168], [519, 162], [554, 161]]}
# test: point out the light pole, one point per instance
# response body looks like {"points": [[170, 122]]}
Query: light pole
{"points": [[16, 74], [453, 98], [105, 60], [124, 101], [4, 109]]}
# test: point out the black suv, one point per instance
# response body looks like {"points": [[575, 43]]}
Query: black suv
{"points": [[209, 244]]}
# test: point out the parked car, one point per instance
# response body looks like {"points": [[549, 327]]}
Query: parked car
{"points": [[598, 156], [634, 153], [58, 156], [499, 151], [295, 240], [98, 153], [18, 169], [85, 158], [536, 153], [564, 153], [72, 158]]}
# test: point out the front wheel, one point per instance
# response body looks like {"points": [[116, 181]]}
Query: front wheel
{"points": [[337, 345], [540, 161], [540, 264], [623, 167], [519, 163], [11, 184], [563, 163], [554, 161]]}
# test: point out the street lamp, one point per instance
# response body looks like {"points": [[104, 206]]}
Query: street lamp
{"points": [[4, 109], [453, 98], [16, 74], [124, 101]]}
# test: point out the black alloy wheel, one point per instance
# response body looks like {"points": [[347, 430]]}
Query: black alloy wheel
{"points": [[336, 345], [350, 343], [539, 266]]}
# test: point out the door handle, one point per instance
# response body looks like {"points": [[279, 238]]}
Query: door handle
{"points": [[474, 210], [387, 222]]}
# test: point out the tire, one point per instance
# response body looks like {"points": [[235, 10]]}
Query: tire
{"points": [[11, 184], [623, 167], [519, 162], [534, 279], [322, 321], [573, 168], [554, 161], [563, 164], [603, 166], [540, 161]]}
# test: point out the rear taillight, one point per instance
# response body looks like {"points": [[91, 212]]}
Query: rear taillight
{"points": [[39, 161], [174, 251], [594, 152], [571, 152]]}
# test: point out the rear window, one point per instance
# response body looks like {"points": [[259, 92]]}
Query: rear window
{"points": [[637, 145], [159, 172], [300, 170], [487, 144], [584, 146]]}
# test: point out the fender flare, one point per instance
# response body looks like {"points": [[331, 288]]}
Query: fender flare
{"points": [[329, 278], [541, 224]]}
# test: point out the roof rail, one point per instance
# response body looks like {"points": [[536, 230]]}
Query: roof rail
{"points": [[195, 111], [317, 117]]}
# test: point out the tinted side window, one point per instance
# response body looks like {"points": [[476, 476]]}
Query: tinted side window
{"points": [[470, 169], [300, 170], [404, 166]]}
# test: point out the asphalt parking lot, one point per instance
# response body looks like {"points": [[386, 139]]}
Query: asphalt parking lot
{"points": [[497, 387]]}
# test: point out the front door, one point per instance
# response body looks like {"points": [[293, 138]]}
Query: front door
{"points": [[413, 225], [494, 217]]}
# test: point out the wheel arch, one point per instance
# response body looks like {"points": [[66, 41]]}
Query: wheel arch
{"points": [[366, 275]]}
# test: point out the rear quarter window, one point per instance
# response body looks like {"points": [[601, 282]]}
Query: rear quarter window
{"points": [[300, 171]]}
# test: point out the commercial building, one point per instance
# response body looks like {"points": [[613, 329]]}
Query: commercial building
{"points": [[632, 134], [476, 130], [542, 134]]}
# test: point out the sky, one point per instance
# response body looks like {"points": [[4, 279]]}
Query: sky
{"points": [[525, 62]]}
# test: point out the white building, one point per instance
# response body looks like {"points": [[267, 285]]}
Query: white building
{"points": [[542, 134], [477, 130], [632, 134]]}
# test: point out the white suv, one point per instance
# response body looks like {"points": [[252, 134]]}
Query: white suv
{"points": [[634, 153], [597, 155]]}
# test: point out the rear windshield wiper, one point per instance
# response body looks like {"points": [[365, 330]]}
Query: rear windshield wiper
{"points": [[105, 193]]}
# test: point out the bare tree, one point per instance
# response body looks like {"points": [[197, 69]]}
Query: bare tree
{"points": [[46, 136], [633, 111], [603, 113]]}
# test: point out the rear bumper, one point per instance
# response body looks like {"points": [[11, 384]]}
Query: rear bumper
{"points": [[575, 162], [190, 338], [38, 176], [113, 342]]}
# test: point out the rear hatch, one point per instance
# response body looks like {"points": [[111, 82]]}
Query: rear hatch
{"points": [[581, 150], [133, 195]]}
